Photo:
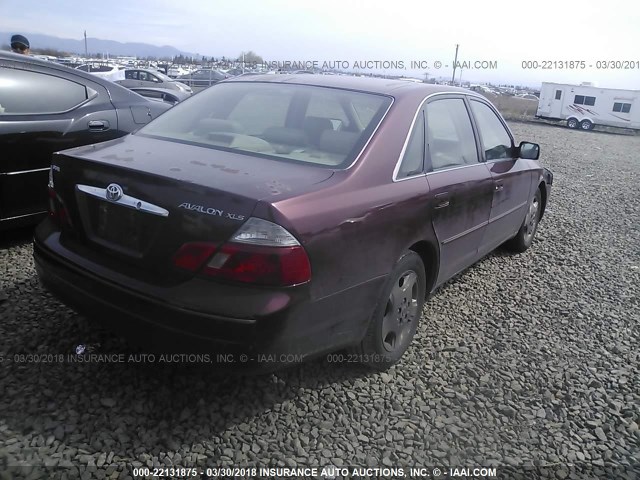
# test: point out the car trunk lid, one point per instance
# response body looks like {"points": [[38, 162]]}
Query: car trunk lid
{"points": [[134, 202]]}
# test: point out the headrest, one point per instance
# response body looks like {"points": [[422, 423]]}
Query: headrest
{"points": [[317, 123]]}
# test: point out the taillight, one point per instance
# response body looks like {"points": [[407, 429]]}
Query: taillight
{"points": [[52, 195], [260, 253], [281, 266], [191, 256], [53, 209], [57, 211]]}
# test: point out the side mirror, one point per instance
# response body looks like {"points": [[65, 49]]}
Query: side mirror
{"points": [[529, 151]]}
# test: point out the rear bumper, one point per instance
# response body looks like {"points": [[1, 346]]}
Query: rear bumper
{"points": [[301, 329]]}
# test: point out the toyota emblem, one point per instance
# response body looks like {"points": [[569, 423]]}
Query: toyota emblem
{"points": [[114, 192]]}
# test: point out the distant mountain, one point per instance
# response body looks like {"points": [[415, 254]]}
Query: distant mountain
{"points": [[96, 45]]}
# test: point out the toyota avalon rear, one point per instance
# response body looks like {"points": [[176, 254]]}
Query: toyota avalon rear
{"points": [[185, 235], [288, 216]]}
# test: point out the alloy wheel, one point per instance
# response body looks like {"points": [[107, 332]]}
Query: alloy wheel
{"points": [[532, 219], [401, 311]]}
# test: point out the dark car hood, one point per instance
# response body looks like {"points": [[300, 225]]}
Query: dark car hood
{"points": [[245, 175]]}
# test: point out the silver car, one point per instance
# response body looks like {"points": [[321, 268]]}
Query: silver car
{"points": [[140, 77]]}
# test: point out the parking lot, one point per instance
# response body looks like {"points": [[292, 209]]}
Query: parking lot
{"points": [[527, 359]]}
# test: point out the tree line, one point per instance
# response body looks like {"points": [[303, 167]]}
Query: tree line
{"points": [[249, 57]]}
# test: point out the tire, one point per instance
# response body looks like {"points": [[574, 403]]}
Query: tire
{"points": [[524, 238], [395, 319], [586, 125], [572, 123]]}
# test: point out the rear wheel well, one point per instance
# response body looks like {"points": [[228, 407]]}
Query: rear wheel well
{"points": [[429, 256]]}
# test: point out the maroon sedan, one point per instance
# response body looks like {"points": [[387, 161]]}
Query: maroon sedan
{"points": [[286, 216]]}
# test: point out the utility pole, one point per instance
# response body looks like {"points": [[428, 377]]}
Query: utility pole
{"points": [[86, 53], [455, 62]]}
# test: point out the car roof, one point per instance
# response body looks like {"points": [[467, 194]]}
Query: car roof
{"points": [[117, 92], [383, 86], [26, 59]]}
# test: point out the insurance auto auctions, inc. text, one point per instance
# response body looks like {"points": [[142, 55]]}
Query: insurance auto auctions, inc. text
{"points": [[332, 472], [372, 64]]}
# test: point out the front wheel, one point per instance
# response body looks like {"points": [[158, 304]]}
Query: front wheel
{"points": [[524, 238], [572, 123], [397, 314]]}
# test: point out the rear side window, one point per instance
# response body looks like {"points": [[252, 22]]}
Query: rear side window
{"points": [[450, 135], [298, 123], [26, 92], [496, 140], [146, 77], [413, 159]]}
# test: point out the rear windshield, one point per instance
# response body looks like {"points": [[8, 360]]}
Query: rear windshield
{"points": [[308, 124]]}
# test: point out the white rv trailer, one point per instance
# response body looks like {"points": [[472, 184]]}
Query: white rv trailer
{"points": [[585, 106]]}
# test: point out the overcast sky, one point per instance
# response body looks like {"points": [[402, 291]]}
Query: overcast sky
{"points": [[328, 30]]}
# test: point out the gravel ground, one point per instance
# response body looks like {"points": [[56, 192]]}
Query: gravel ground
{"points": [[521, 360]]}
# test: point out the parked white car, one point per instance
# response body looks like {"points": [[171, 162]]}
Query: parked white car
{"points": [[107, 71], [175, 71]]}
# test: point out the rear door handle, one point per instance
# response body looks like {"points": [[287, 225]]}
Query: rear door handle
{"points": [[499, 187], [98, 125], [442, 200]]}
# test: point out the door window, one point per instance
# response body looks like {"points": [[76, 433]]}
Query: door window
{"points": [[450, 135], [26, 92], [495, 138]]}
